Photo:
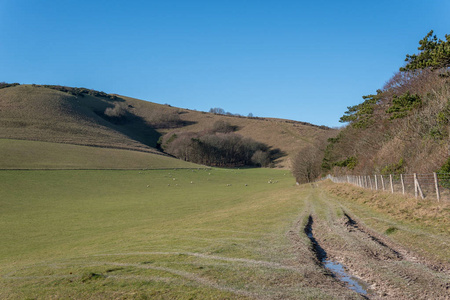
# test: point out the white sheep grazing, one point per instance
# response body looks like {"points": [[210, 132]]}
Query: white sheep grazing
{"points": [[192, 182]]}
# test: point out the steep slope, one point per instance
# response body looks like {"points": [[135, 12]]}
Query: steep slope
{"points": [[43, 114], [52, 114]]}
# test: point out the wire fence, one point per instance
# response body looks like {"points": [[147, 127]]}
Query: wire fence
{"points": [[434, 186]]}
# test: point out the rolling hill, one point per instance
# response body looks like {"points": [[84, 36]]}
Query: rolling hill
{"points": [[85, 117]]}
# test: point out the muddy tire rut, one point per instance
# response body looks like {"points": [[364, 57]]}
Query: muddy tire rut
{"points": [[388, 270]]}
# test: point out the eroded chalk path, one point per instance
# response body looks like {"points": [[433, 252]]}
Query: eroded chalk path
{"points": [[380, 268]]}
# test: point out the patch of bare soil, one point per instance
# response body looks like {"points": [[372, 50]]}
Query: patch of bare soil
{"points": [[309, 258], [391, 271]]}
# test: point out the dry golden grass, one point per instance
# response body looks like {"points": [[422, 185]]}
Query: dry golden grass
{"points": [[36, 113], [425, 212], [42, 114]]}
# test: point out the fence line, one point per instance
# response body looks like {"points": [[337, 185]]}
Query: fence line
{"points": [[434, 185]]}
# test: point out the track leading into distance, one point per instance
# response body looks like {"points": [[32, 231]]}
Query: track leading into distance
{"points": [[364, 261]]}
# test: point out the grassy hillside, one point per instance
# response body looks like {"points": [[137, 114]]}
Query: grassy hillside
{"points": [[22, 154], [40, 113]]}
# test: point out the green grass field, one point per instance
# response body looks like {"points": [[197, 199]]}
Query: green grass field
{"points": [[22, 154], [148, 234], [173, 234]]}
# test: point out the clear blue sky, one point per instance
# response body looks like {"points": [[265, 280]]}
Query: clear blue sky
{"points": [[301, 60]]}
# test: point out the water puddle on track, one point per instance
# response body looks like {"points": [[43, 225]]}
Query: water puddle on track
{"points": [[338, 270], [335, 268]]}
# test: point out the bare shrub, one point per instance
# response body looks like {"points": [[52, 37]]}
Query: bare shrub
{"points": [[306, 166], [119, 110], [261, 158], [161, 118], [223, 127], [216, 149]]}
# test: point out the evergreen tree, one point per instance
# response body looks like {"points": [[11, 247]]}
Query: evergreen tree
{"points": [[434, 53]]}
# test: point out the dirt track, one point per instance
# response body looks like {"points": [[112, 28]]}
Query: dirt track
{"points": [[386, 269]]}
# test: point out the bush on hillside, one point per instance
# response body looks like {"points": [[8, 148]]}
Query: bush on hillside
{"points": [[118, 114], [161, 118], [6, 85], [402, 104], [444, 174], [219, 149], [360, 116], [396, 168], [119, 110], [261, 158], [218, 146], [75, 91], [223, 127], [217, 110], [306, 164]]}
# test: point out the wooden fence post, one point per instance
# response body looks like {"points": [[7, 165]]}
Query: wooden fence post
{"points": [[370, 182], [436, 184], [382, 181], [392, 185], [403, 184], [376, 183], [417, 187]]}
